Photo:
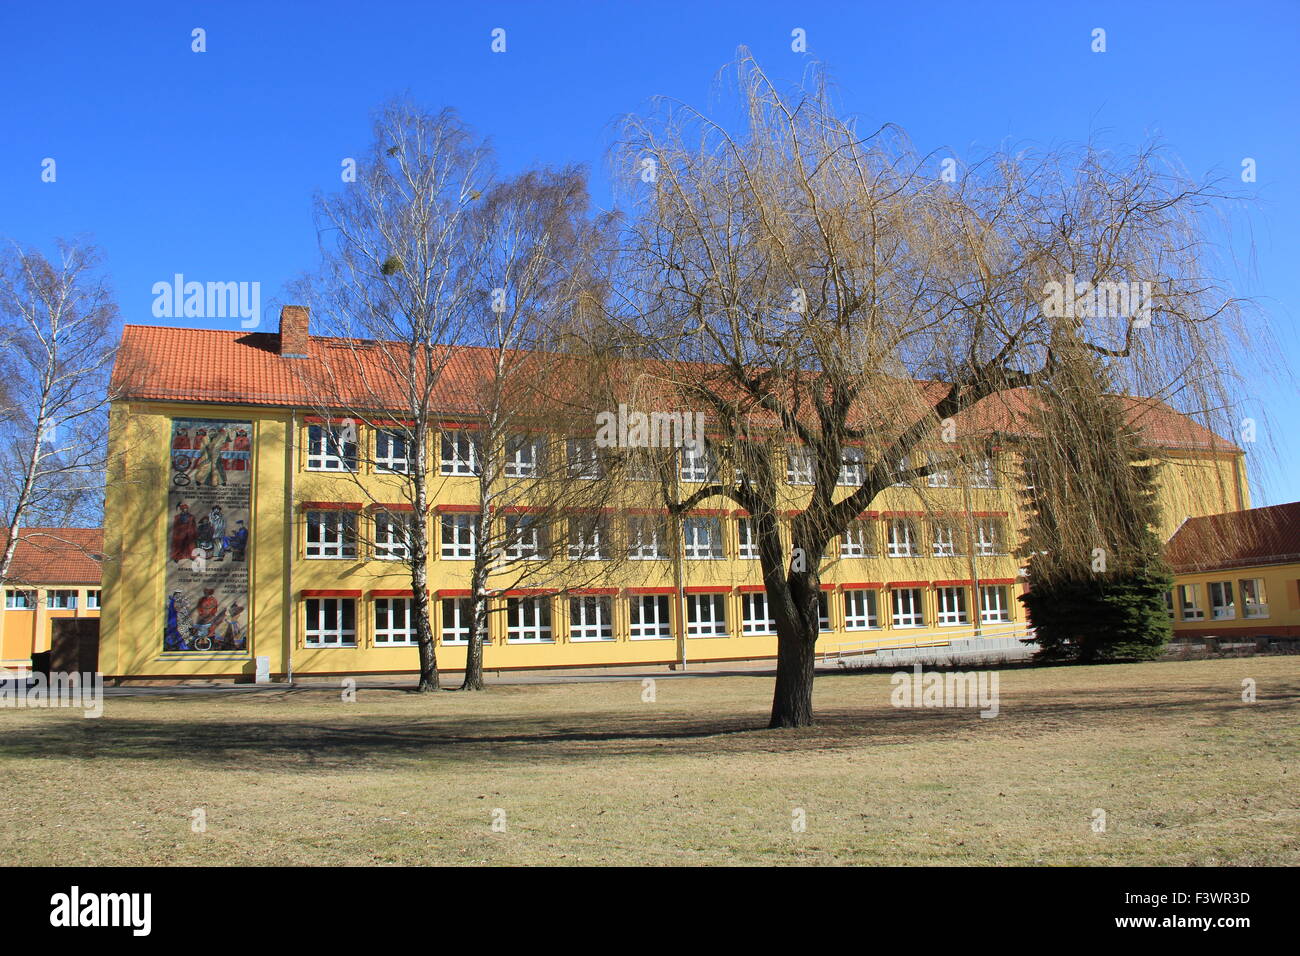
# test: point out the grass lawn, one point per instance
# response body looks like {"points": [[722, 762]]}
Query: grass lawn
{"points": [[589, 773]]}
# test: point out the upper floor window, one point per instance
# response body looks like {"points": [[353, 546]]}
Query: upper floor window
{"points": [[523, 456], [1252, 597], [458, 535], [946, 539], [61, 600], [645, 538], [584, 458], [588, 538], [703, 538], [748, 533], [459, 453], [902, 538], [393, 451], [525, 538], [983, 474], [20, 600], [92, 600], [853, 469], [332, 447], [799, 465], [331, 534], [858, 540], [697, 462], [988, 536], [392, 536], [940, 474]]}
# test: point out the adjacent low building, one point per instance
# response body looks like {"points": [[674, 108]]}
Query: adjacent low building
{"points": [[55, 573], [1237, 575]]}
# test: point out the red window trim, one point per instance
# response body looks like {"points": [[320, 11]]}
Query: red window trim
{"points": [[989, 514], [651, 590], [318, 420], [706, 513], [453, 426], [861, 586], [393, 592], [952, 584], [647, 512], [594, 591], [396, 506], [909, 584], [455, 593], [997, 581], [529, 592], [902, 514], [331, 506], [751, 588], [457, 509], [741, 513], [709, 589], [330, 592], [828, 587]]}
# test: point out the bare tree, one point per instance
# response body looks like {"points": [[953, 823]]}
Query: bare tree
{"points": [[841, 310], [396, 291], [56, 353]]}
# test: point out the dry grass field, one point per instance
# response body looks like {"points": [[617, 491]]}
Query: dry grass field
{"points": [[589, 773]]}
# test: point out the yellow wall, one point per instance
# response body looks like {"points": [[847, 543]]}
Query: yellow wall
{"points": [[136, 533], [1281, 596], [27, 632]]}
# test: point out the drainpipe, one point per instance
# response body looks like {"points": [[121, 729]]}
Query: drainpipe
{"points": [[290, 551], [970, 550]]}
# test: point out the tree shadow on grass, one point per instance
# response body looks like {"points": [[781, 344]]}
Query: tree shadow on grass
{"points": [[376, 742]]}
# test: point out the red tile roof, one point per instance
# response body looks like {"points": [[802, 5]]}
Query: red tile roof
{"points": [[56, 555], [163, 363], [1237, 539]]}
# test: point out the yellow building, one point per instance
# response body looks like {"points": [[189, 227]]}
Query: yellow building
{"points": [[233, 524], [55, 573], [1237, 575]]}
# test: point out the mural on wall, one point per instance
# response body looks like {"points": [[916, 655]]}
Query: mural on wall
{"points": [[208, 535]]}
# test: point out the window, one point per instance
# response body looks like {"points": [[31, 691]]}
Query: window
{"points": [[703, 538], [645, 538], [945, 539], [697, 462], [523, 456], [748, 533], [706, 615], [858, 540], [1221, 600], [940, 476], [459, 453], [92, 600], [458, 620], [588, 538], [988, 536], [392, 451], [902, 538], [392, 534], [823, 611], [584, 459], [528, 620], [331, 534], [642, 465], [458, 536], [394, 621], [1189, 599], [524, 538], [331, 622], [332, 447], [907, 607], [1169, 602], [20, 600], [1252, 597], [754, 618], [852, 466], [61, 600], [649, 617], [590, 618], [900, 472], [952, 606], [982, 474], [799, 465], [994, 608], [860, 610]]}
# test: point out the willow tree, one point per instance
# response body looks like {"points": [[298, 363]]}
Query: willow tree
{"points": [[819, 291]]}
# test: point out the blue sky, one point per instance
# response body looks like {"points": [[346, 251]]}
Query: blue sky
{"points": [[205, 163]]}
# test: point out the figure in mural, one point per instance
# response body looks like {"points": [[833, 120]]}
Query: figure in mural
{"points": [[239, 542], [184, 533], [217, 522], [213, 466], [243, 450], [176, 632], [207, 618], [233, 639], [204, 533]]}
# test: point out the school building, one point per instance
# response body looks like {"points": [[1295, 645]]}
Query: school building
{"points": [[1237, 575], [55, 573], [236, 530]]}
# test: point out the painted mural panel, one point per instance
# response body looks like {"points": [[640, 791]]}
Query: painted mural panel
{"points": [[209, 535]]}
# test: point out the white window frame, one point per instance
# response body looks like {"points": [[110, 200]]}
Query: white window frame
{"points": [[853, 466], [747, 536], [907, 607], [390, 542], [858, 540], [583, 459], [327, 449], [337, 538], [395, 609], [712, 622], [67, 600], [824, 611], [528, 620], [988, 536], [650, 616], [799, 465], [1254, 600], [755, 614], [952, 606], [944, 539], [984, 474], [702, 538], [942, 478], [461, 524], [457, 620], [903, 546], [1190, 610], [697, 464], [385, 459], [639, 529], [995, 604], [523, 456], [1219, 609], [582, 549], [861, 610], [458, 452], [525, 537], [316, 619], [591, 618], [92, 599], [28, 602]]}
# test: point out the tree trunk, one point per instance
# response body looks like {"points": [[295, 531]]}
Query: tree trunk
{"points": [[474, 652], [792, 699]]}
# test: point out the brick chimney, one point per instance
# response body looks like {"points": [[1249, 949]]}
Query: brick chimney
{"points": [[294, 322]]}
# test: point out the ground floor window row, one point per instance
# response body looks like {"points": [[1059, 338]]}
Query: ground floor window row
{"points": [[1218, 601], [55, 599], [339, 621]]}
